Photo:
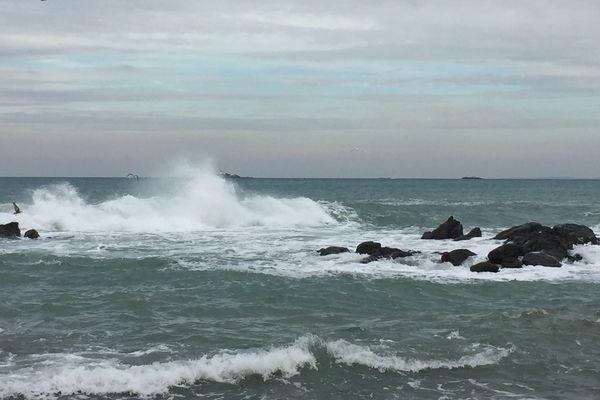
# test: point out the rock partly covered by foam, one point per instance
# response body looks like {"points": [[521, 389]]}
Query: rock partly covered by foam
{"points": [[451, 229], [535, 244], [31, 234], [325, 251], [10, 230], [375, 252], [485, 266], [457, 257]]}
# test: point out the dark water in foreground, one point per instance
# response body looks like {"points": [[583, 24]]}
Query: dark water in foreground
{"points": [[201, 288]]}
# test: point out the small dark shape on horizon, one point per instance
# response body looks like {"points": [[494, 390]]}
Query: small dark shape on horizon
{"points": [[471, 177]]}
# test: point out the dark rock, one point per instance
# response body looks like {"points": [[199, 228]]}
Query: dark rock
{"points": [[451, 229], [549, 242], [457, 257], [473, 233], [369, 248], [518, 230], [511, 262], [31, 234], [10, 230], [508, 250], [427, 235], [540, 258], [485, 267], [370, 259], [401, 254], [576, 234], [574, 258], [323, 252]]}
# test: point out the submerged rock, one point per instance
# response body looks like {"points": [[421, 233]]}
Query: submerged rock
{"points": [[457, 257], [451, 229], [325, 251], [473, 233], [10, 230], [485, 267], [31, 234]]}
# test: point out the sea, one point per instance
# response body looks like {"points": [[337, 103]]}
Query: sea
{"points": [[200, 287]]}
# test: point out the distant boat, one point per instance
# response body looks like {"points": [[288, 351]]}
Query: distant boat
{"points": [[471, 177]]}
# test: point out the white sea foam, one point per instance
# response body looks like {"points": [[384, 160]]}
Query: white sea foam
{"points": [[204, 200], [352, 354], [70, 374], [51, 374]]}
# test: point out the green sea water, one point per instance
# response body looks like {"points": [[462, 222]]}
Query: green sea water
{"points": [[199, 287]]}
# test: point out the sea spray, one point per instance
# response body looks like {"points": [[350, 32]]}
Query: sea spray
{"points": [[203, 201]]}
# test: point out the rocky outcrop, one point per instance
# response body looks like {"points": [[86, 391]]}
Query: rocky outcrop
{"points": [[451, 229], [31, 234], [473, 233], [457, 257], [325, 251], [369, 248], [576, 234], [540, 258], [485, 266], [10, 230]]}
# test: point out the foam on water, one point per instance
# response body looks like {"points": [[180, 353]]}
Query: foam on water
{"points": [[66, 374], [204, 200]]}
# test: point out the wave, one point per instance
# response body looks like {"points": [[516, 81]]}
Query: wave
{"points": [[204, 201], [70, 374]]}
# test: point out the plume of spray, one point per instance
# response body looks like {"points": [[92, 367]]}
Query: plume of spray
{"points": [[186, 197]]}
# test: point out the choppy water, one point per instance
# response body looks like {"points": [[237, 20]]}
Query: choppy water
{"points": [[202, 288]]}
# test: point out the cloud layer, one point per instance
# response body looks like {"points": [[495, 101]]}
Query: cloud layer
{"points": [[301, 88]]}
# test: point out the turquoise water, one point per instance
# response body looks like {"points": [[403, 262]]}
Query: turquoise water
{"points": [[205, 288]]}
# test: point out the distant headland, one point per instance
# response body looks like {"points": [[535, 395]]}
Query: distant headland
{"points": [[471, 177]]}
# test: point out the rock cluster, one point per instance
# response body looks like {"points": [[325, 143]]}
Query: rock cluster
{"points": [[527, 244], [12, 230]]}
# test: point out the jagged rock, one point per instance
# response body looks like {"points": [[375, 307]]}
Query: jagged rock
{"points": [[508, 250], [451, 229], [576, 234], [511, 262], [10, 230], [325, 251], [540, 258], [457, 257], [473, 233], [518, 230], [31, 234], [369, 248], [383, 252], [485, 267]]}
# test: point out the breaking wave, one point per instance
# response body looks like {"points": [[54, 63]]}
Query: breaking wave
{"points": [[203, 201], [70, 374]]}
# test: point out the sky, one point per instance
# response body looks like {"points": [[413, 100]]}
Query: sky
{"points": [[303, 88]]}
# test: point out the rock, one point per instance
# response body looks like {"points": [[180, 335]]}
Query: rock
{"points": [[10, 230], [508, 250], [323, 252], [401, 254], [549, 242], [31, 234], [451, 229], [511, 262], [540, 258], [370, 259], [369, 248], [473, 233], [485, 267], [527, 228], [427, 235], [575, 258], [457, 257], [576, 234]]}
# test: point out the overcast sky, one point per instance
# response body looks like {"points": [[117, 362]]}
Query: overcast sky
{"points": [[305, 88]]}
